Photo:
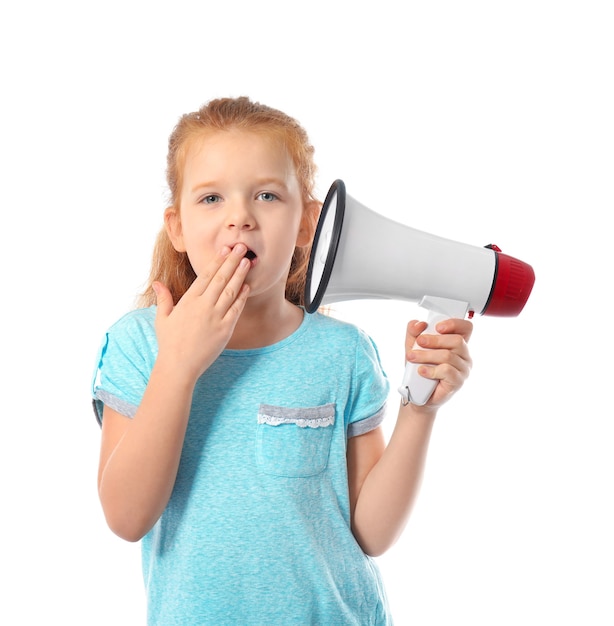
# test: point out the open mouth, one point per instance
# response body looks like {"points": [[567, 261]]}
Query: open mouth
{"points": [[250, 254]]}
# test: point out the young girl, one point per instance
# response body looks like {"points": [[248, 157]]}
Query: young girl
{"points": [[241, 437]]}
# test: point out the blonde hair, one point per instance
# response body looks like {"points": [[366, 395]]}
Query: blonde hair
{"points": [[173, 268]]}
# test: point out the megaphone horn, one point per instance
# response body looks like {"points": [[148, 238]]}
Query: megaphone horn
{"points": [[359, 254]]}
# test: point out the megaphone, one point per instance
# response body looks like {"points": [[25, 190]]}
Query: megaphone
{"points": [[359, 254]]}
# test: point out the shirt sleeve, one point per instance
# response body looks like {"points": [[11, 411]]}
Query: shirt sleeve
{"points": [[370, 388], [123, 364]]}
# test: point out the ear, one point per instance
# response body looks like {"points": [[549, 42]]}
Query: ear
{"points": [[172, 223], [308, 224]]}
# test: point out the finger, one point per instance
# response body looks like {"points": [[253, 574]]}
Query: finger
{"points": [[456, 326], [223, 292], [440, 361], [440, 349], [230, 257], [164, 300], [238, 304], [453, 342], [450, 377], [414, 329]]}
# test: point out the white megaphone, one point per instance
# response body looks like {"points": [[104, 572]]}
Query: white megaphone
{"points": [[359, 254]]}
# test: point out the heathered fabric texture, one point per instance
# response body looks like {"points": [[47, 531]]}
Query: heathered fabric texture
{"points": [[257, 530]]}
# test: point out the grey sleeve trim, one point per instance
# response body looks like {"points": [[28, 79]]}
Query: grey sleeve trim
{"points": [[368, 424], [113, 402]]}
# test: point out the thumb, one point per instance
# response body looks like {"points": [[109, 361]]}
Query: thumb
{"points": [[164, 299]]}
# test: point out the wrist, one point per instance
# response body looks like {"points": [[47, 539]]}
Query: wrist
{"points": [[423, 412], [175, 372]]}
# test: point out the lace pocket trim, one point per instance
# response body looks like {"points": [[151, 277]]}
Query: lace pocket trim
{"points": [[308, 417]]}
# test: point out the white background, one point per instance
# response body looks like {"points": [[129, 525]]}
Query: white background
{"points": [[485, 122]]}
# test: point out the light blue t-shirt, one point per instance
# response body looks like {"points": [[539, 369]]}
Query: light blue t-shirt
{"points": [[257, 529]]}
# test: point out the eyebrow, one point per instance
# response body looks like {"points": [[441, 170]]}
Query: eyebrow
{"points": [[201, 186], [267, 180]]}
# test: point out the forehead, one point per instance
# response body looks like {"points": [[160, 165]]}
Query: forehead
{"points": [[222, 148]]}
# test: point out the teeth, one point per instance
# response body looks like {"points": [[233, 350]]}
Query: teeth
{"points": [[250, 255]]}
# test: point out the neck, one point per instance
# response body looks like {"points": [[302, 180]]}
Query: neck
{"points": [[265, 323]]}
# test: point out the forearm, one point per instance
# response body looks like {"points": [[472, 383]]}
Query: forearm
{"points": [[390, 489], [137, 478]]}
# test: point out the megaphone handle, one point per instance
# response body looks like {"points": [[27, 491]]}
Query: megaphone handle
{"points": [[414, 387]]}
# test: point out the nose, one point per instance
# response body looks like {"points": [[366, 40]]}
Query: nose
{"points": [[240, 216]]}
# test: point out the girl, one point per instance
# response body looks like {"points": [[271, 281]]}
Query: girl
{"points": [[241, 437]]}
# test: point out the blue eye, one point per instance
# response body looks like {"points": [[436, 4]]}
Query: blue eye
{"points": [[211, 199], [267, 196]]}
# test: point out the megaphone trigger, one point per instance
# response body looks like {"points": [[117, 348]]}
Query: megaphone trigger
{"points": [[416, 388]]}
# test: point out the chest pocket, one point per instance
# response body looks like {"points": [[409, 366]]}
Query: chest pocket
{"points": [[294, 442]]}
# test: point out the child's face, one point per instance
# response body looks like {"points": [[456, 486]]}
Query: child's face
{"points": [[239, 186]]}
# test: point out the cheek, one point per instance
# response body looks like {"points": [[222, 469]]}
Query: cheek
{"points": [[287, 236], [199, 243], [198, 232]]}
